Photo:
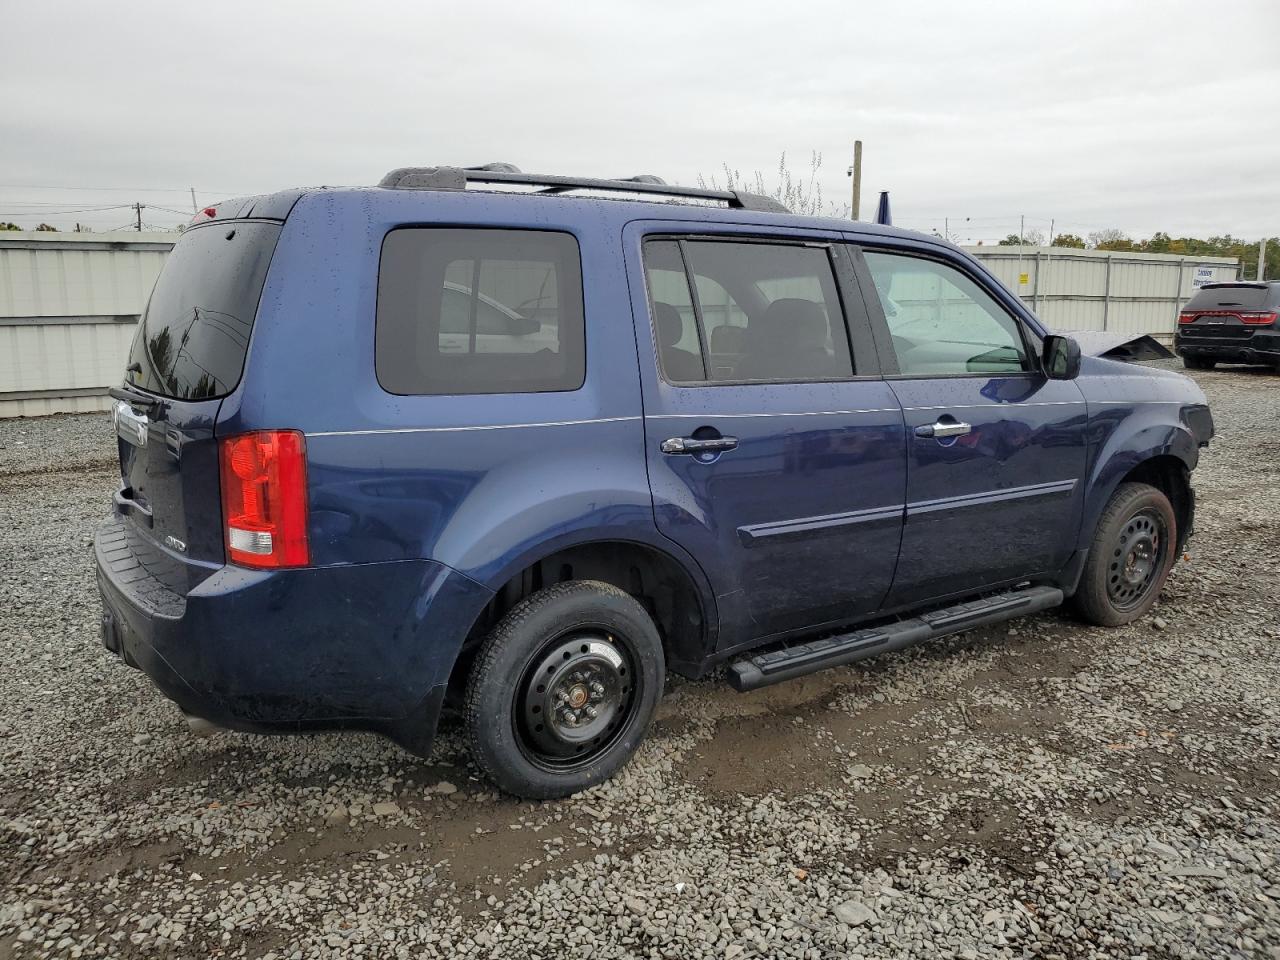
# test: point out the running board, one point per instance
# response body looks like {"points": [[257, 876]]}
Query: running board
{"points": [[775, 666]]}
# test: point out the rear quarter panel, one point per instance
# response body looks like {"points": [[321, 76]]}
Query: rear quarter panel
{"points": [[482, 483]]}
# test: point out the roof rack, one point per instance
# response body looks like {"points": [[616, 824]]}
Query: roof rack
{"points": [[457, 178]]}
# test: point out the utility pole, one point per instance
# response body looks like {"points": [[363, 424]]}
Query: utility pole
{"points": [[194, 208], [856, 172], [1022, 234], [1042, 275], [138, 208], [1262, 259]]}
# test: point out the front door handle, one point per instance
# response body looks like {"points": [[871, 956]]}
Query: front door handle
{"points": [[678, 445], [943, 429]]}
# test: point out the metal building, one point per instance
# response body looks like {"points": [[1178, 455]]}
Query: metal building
{"points": [[68, 306], [1073, 289]]}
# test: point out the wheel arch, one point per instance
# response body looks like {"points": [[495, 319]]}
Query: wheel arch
{"points": [[1160, 456], [673, 589]]}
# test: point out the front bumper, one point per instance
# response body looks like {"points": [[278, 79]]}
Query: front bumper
{"points": [[366, 646]]}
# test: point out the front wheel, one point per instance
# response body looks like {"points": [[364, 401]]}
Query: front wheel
{"points": [[563, 690], [1130, 557]]}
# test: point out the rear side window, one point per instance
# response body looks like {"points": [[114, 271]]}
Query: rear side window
{"points": [[756, 311], [194, 333], [479, 311]]}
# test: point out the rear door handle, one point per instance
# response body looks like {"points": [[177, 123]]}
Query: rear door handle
{"points": [[943, 429], [677, 445]]}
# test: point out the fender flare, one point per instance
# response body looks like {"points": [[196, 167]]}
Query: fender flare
{"points": [[1118, 458], [630, 534]]}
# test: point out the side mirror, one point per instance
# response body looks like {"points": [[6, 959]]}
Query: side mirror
{"points": [[1061, 358]]}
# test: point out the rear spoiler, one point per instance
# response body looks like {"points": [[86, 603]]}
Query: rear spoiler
{"points": [[1129, 347], [270, 206]]}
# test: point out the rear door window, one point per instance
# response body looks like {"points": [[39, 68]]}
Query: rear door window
{"points": [[193, 335], [762, 311], [479, 311]]}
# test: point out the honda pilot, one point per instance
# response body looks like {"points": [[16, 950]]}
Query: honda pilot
{"points": [[518, 445]]}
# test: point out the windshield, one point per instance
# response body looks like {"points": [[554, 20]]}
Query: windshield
{"points": [[194, 333]]}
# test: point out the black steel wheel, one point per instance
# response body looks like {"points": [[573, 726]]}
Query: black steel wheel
{"points": [[576, 697], [1130, 557], [563, 689], [1136, 559]]}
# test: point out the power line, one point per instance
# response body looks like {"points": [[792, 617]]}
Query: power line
{"points": [[38, 186], [63, 213]]}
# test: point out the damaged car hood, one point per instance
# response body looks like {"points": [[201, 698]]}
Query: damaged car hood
{"points": [[1130, 347]]}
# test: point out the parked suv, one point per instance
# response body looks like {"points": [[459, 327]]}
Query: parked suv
{"points": [[521, 452], [1230, 322]]}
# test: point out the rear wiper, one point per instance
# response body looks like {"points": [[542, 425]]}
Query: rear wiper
{"points": [[135, 397]]}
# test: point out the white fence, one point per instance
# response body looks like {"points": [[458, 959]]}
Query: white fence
{"points": [[69, 302], [1104, 290]]}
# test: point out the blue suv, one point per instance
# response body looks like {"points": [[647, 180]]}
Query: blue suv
{"points": [[517, 445]]}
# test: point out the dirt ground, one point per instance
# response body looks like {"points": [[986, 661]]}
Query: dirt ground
{"points": [[1039, 788]]}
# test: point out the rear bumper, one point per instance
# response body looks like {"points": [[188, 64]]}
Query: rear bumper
{"points": [[1262, 347], [367, 646]]}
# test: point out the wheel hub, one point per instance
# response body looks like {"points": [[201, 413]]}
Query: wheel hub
{"points": [[1135, 560], [575, 696]]}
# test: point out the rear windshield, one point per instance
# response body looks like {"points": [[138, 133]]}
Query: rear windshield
{"points": [[194, 333], [1232, 298]]}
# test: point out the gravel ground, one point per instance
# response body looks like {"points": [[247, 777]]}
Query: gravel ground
{"points": [[1037, 789]]}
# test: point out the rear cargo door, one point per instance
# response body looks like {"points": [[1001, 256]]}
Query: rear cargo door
{"points": [[188, 353]]}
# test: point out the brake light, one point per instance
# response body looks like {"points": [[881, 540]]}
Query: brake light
{"points": [[264, 499], [1187, 317], [1258, 318]]}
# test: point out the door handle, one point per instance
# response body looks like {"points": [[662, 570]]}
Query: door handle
{"points": [[691, 445], [943, 429]]}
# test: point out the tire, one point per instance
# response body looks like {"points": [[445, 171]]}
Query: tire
{"points": [[1198, 363], [602, 658], [1131, 555]]}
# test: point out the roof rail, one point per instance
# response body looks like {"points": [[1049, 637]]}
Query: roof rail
{"points": [[457, 178]]}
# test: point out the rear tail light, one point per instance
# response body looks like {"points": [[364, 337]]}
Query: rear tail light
{"points": [[1253, 317], [264, 499]]}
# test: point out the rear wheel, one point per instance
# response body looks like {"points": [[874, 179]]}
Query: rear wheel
{"points": [[1198, 363], [563, 690], [1131, 555]]}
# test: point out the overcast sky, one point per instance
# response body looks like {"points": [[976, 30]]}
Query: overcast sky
{"points": [[1142, 116]]}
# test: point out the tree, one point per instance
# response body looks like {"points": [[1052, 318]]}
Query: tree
{"points": [[45, 228], [1029, 238], [9, 226], [799, 194], [1068, 240], [1112, 238]]}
